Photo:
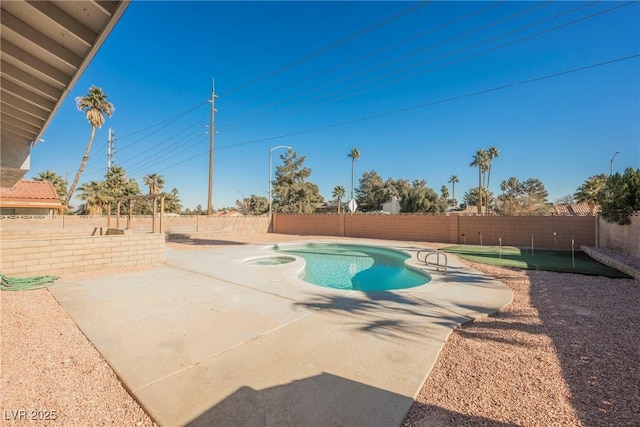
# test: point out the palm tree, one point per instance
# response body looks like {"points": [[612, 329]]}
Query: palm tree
{"points": [[591, 191], [480, 161], [492, 153], [338, 193], [155, 182], [95, 106], [453, 180], [354, 154], [56, 180], [95, 197], [116, 180]]}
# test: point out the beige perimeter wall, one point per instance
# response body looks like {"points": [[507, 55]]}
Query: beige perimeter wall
{"points": [[513, 230], [625, 238], [192, 225]]}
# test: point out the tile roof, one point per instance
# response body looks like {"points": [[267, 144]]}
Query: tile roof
{"points": [[575, 209], [28, 193]]}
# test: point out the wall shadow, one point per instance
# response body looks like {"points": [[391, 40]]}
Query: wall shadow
{"points": [[324, 400], [593, 323], [320, 400], [424, 415]]}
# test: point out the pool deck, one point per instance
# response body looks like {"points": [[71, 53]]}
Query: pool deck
{"points": [[207, 340]]}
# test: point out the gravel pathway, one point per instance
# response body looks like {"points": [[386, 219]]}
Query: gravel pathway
{"points": [[566, 352]]}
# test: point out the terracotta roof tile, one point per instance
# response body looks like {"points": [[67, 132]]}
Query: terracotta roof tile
{"points": [[575, 209], [30, 190]]}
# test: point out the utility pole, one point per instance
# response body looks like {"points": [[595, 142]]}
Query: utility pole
{"points": [[110, 150], [211, 132]]}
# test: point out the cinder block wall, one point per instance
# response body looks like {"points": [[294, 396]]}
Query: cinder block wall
{"points": [[513, 230], [85, 225], [322, 225], [519, 231], [625, 238], [50, 256], [46, 233], [433, 228]]}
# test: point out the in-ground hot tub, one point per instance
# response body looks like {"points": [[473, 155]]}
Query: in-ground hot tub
{"points": [[269, 260]]}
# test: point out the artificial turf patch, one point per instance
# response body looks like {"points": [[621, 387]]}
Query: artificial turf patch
{"points": [[538, 259]]}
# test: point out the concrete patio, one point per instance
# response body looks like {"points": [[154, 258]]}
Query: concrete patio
{"points": [[208, 340]]}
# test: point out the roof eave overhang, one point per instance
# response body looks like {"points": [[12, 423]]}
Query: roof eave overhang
{"points": [[115, 17]]}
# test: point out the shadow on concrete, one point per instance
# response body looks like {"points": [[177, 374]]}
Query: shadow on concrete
{"points": [[320, 400], [327, 400], [389, 315], [593, 323]]}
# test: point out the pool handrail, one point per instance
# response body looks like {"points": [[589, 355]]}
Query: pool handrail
{"points": [[437, 252]]}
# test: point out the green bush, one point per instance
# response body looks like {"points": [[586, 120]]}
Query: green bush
{"points": [[621, 197]]}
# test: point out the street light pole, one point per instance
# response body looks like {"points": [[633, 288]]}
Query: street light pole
{"points": [[211, 132], [614, 156], [270, 155]]}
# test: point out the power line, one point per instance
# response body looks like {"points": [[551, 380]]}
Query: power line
{"points": [[420, 106], [328, 96], [370, 88], [441, 101], [198, 125], [168, 122], [330, 47], [165, 152], [289, 85]]}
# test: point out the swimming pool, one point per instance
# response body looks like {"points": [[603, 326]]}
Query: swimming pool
{"points": [[355, 267]]}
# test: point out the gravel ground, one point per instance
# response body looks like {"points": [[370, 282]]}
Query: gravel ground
{"points": [[49, 370], [566, 352]]}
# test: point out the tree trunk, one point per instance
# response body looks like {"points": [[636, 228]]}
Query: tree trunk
{"points": [[83, 163], [352, 165], [479, 198], [453, 191], [486, 209]]}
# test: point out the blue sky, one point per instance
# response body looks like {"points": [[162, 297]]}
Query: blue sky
{"points": [[410, 84]]}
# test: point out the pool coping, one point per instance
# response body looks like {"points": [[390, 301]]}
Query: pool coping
{"points": [[238, 343]]}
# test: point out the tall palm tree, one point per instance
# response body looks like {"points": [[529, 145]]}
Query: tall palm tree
{"points": [[453, 180], [492, 153], [354, 154], [338, 193], [95, 106], [56, 180], [480, 161], [155, 182]]}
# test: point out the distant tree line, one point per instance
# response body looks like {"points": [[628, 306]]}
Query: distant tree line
{"points": [[96, 195]]}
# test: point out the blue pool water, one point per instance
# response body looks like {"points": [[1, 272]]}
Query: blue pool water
{"points": [[355, 267]]}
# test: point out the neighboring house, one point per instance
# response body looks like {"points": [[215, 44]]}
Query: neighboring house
{"points": [[227, 213], [331, 207], [392, 206], [575, 209], [30, 198]]}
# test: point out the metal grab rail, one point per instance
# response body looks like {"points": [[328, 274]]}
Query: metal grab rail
{"points": [[437, 265]]}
